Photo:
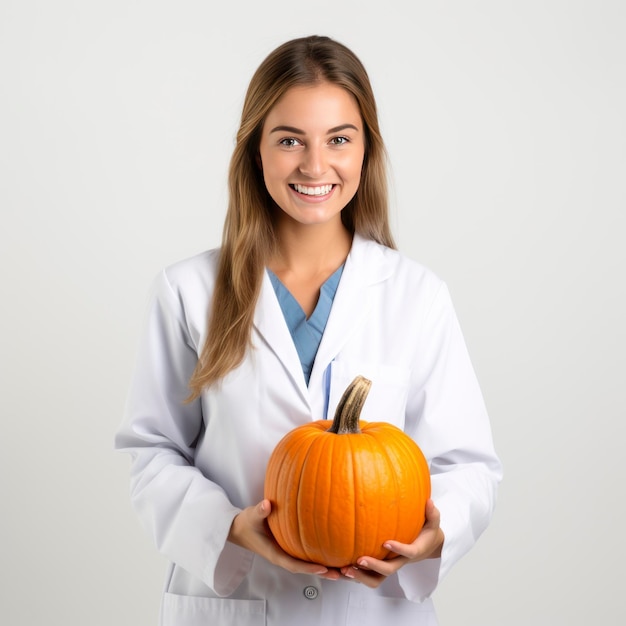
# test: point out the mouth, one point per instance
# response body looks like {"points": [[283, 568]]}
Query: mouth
{"points": [[321, 190]]}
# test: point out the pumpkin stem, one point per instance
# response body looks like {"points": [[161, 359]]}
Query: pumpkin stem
{"points": [[349, 408]]}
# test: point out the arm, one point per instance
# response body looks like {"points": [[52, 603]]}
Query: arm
{"points": [[447, 417], [452, 427], [188, 516]]}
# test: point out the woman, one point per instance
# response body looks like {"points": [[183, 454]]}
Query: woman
{"points": [[306, 292]]}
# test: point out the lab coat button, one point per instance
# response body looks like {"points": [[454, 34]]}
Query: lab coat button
{"points": [[310, 592]]}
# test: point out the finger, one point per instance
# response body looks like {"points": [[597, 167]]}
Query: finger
{"points": [[384, 568], [403, 550], [330, 574], [295, 566], [369, 578]]}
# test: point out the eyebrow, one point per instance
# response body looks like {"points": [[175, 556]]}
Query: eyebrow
{"points": [[297, 131]]}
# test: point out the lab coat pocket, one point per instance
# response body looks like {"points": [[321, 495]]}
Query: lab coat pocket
{"points": [[365, 610], [199, 611], [386, 401]]}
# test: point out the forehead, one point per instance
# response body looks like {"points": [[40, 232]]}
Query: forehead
{"points": [[309, 105]]}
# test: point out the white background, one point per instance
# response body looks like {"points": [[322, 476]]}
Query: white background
{"points": [[505, 123]]}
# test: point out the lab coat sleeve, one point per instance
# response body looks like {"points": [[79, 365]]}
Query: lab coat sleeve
{"points": [[449, 421], [188, 516]]}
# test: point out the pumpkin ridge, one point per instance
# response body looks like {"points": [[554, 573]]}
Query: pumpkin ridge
{"points": [[289, 524], [272, 475], [392, 461], [414, 482], [383, 478], [355, 499], [279, 471], [321, 509], [311, 466], [371, 515], [333, 503], [302, 496], [337, 516]]}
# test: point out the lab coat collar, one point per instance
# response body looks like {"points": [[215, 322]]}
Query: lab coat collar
{"points": [[366, 265]]}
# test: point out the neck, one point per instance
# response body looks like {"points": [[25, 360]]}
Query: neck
{"points": [[311, 249]]}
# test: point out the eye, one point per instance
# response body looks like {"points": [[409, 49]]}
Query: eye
{"points": [[289, 142], [339, 141]]}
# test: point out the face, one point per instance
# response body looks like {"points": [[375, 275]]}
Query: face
{"points": [[311, 152]]}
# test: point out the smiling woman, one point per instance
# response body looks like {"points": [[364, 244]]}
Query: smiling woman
{"points": [[306, 292], [311, 153]]}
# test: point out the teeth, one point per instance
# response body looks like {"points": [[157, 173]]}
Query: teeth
{"points": [[313, 191]]}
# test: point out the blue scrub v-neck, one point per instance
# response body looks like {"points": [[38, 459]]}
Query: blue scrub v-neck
{"points": [[307, 333]]}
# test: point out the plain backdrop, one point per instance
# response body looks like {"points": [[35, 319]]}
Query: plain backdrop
{"points": [[505, 124]]}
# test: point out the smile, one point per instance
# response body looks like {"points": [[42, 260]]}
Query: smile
{"points": [[313, 191]]}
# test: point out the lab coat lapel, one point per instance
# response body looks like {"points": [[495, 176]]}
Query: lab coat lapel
{"points": [[271, 325], [365, 267]]}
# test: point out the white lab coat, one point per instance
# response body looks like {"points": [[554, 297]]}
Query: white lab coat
{"points": [[196, 466]]}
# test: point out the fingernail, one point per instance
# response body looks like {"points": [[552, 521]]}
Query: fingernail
{"points": [[363, 563], [349, 573], [387, 546]]}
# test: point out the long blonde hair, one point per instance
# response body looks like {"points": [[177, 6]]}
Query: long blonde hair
{"points": [[248, 238]]}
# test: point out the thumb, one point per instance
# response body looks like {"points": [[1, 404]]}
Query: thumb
{"points": [[264, 508], [433, 517]]}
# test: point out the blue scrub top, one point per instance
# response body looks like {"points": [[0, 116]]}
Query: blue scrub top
{"points": [[307, 333]]}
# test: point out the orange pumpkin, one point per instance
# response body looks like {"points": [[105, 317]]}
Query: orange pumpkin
{"points": [[340, 489]]}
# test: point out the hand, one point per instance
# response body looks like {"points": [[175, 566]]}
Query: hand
{"points": [[371, 572], [250, 530]]}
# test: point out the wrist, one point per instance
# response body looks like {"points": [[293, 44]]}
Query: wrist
{"points": [[234, 534]]}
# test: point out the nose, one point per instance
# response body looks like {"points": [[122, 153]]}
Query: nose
{"points": [[314, 162]]}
